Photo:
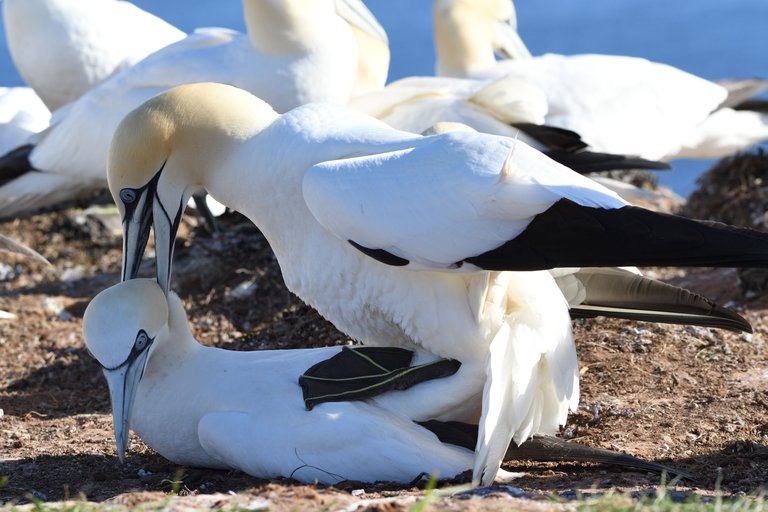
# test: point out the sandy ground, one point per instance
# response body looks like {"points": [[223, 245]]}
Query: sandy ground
{"points": [[692, 398]]}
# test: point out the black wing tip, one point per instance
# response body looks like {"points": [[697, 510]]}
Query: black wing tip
{"points": [[754, 104], [588, 162], [553, 137], [15, 163], [381, 255], [721, 318], [550, 448], [568, 234]]}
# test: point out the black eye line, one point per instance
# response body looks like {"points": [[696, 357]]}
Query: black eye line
{"points": [[130, 207], [134, 352]]}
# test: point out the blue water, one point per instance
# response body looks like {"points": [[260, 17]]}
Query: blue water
{"points": [[711, 38]]}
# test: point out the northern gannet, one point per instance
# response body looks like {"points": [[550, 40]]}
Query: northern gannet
{"points": [[245, 409], [294, 52], [62, 48], [509, 106], [248, 410], [618, 104], [403, 240]]}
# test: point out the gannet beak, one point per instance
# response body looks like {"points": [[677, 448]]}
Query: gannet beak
{"points": [[166, 224], [144, 208], [137, 221], [123, 383], [509, 44]]}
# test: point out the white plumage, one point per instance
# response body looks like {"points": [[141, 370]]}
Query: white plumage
{"points": [[289, 57], [22, 113], [385, 233], [246, 409], [618, 104], [62, 48]]}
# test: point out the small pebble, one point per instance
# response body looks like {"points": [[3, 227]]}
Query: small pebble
{"points": [[358, 492], [258, 504]]}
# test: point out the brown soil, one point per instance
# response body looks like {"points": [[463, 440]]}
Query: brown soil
{"points": [[693, 398]]}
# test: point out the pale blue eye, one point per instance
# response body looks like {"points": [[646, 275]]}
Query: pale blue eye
{"points": [[141, 341], [128, 195]]}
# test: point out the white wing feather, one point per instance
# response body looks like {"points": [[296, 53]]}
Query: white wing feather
{"points": [[619, 104], [447, 198]]}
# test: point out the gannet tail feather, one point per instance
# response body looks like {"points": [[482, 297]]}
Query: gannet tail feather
{"points": [[585, 162], [544, 448], [532, 376], [552, 137], [617, 293], [571, 235]]}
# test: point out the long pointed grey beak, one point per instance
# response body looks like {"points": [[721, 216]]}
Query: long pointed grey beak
{"points": [[509, 44], [123, 383], [136, 225], [145, 209], [166, 225]]}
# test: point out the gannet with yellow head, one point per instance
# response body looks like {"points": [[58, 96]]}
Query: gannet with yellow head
{"points": [[404, 240], [618, 104], [294, 52]]}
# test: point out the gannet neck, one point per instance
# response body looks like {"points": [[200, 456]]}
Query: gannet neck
{"points": [[464, 34], [282, 27], [175, 344], [372, 62]]}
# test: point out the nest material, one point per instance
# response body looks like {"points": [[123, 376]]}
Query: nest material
{"points": [[735, 191]]}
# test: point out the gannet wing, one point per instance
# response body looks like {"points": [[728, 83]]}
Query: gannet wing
{"points": [[334, 442], [600, 113], [623, 293], [465, 201], [444, 199]]}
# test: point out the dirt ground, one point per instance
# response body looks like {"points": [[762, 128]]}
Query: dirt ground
{"points": [[693, 398]]}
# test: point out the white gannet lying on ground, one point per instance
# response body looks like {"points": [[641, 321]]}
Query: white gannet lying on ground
{"points": [[22, 113], [618, 104], [294, 52], [62, 48], [402, 240], [249, 411], [246, 409]]}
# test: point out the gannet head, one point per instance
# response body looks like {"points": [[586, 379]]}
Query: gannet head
{"points": [[121, 326], [469, 32], [164, 151]]}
